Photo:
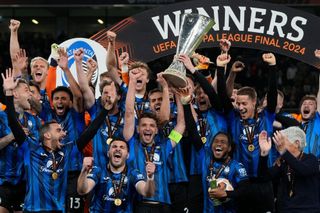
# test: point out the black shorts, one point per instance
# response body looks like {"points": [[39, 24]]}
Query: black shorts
{"points": [[12, 196], [75, 202], [141, 207], [179, 197]]}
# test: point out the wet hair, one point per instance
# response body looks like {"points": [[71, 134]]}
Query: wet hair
{"points": [[108, 83], [140, 64], [308, 97], [249, 91], [62, 89], [45, 128], [118, 139]]}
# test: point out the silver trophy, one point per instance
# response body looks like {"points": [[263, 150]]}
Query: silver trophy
{"points": [[193, 28]]}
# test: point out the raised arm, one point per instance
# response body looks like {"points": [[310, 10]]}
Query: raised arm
{"points": [[88, 96], [14, 44], [111, 58], [92, 129], [74, 86], [165, 104], [20, 65], [8, 85], [205, 85], [6, 140], [147, 188], [270, 59], [222, 61], [85, 185], [129, 122], [236, 67]]}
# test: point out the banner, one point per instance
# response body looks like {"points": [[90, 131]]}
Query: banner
{"points": [[248, 24], [92, 50]]}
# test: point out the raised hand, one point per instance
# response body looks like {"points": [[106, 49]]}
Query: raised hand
{"points": [[224, 45], [200, 58], [123, 59], [150, 169], [237, 66], [87, 164], [317, 53], [279, 140], [223, 60], [92, 65], [135, 74], [264, 143], [8, 80], [78, 54], [161, 80], [187, 62], [269, 58], [14, 25], [63, 59], [21, 60], [111, 36]]}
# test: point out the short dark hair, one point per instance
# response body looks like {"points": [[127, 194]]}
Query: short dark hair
{"points": [[45, 128], [108, 83], [113, 139], [62, 89], [154, 91], [308, 97], [150, 115], [249, 91]]}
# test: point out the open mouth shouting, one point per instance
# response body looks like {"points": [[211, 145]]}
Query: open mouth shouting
{"points": [[157, 107], [117, 156], [60, 109]]}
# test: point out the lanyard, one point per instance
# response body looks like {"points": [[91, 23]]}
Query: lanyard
{"points": [[220, 170]]}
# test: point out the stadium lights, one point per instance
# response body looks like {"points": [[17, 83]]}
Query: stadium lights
{"points": [[35, 21], [100, 21]]}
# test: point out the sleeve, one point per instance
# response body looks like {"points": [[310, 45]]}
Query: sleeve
{"points": [[14, 125], [209, 90], [222, 91], [95, 174], [136, 176], [241, 173], [272, 89], [191, 127], [305, 167]]}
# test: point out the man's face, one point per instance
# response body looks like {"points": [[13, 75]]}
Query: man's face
{"points": [[308, 109], [118, 153], [39, 71], [147, 130], [22, 96], [142, 80], [35, 93], [57, 134], [109, 92], [202, 99], [220, 146], [61, 102], [246, 106], [155, 100]]}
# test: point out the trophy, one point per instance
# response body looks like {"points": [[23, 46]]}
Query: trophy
{"points": [[193, 28]]}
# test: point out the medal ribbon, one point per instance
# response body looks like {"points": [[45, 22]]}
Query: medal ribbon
{"points": [[221, 169], [291, 177], [250, 134], [113, 129], [149, 156], [139, 107], [117, 187], [203, 126]]}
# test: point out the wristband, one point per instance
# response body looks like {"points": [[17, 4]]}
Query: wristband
{"points": [[175, 136]]}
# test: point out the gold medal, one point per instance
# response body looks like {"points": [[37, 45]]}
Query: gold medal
{"points": [[251, 147], [203, 139], [54, 175], [117, 202], [109, 141]]}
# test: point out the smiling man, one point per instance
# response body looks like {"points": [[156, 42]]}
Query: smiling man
{"points": [[116, 183]]}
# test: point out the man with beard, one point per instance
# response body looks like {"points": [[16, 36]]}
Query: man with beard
{"points": [[113, 122], [115, 183], [12, 185], [245, 124], [146, 148], [46, 159], [67, 110]]}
